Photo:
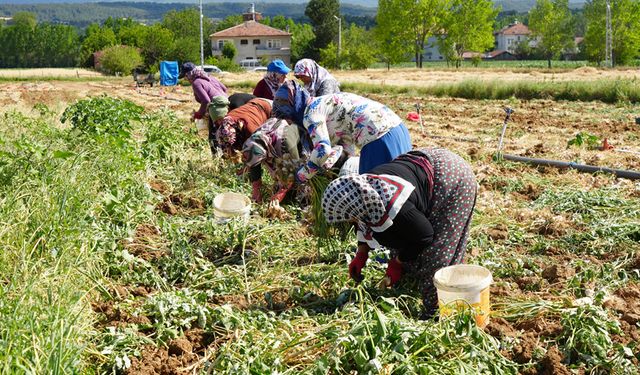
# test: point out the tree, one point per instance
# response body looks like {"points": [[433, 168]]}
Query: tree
{"points": [[116, 24], [227, 22], [120, 59], [469, 27], [302, 40], [390, 33], [229, 51], [358, 50], [325, 27], [55, 46], [328, 56], [157, 44], [97, 39], [552, 23], [625, 26], [19, 38], [185, 26], [408, 24], [132, 35]]}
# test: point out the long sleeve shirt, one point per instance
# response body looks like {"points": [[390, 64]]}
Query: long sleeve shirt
{"points": [[204, 90], [411, 231], [262, 90], [343, 119]]}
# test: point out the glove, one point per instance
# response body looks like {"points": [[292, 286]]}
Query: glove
{"points": [[196, 115], [256, 194], [394, 272], [279, 196], [357, 264]]}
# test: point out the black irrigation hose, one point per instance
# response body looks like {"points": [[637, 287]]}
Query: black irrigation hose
{"points": [[621, 173]]}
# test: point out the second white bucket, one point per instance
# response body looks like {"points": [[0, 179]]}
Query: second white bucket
{"points": [[464, 285], [229, 205]]}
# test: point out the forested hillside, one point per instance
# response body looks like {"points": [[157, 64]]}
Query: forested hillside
{"points": [[83, 14]]}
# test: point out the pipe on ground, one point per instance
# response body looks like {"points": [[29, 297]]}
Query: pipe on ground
{"points": [[621, 173]]}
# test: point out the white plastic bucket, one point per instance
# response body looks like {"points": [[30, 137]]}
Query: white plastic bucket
{"points": [[229, 205], [201, 125], [462, 286]]}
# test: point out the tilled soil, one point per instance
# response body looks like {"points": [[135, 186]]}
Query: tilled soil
{"points": [[538, 128]]}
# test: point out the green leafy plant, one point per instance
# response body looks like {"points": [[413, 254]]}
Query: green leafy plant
{"points": [[103, 115], [584, 139]]}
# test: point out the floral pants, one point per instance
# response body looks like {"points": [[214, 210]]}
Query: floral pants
{"points": [[454, 196]]}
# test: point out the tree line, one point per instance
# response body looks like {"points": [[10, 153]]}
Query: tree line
{"points": [[81, 15], [401, 32], [404, 27]]}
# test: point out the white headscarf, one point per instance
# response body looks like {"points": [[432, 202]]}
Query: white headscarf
{"points": [[311, 69]]}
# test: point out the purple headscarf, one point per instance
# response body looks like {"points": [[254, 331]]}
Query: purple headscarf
{"points": [[197, 72]]}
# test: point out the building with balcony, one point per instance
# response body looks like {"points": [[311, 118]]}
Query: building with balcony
{"points": [[253, 40], [508, 38]]}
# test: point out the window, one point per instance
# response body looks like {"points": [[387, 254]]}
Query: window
{"points": [[274, 43], [256, 41], [244, 41], [220, 44]]}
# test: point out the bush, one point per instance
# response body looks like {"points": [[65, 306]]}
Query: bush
{"points": [[229, 51], [102, 115], [120, 59], [224, 64]]}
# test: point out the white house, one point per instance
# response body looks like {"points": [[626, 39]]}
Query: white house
{"points": [[431, 50], [508, 38], [253, 40]]}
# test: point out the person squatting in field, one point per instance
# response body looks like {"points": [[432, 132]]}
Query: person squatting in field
{"points": [[317, 80], [419, 206], [274, 77], [346, 120], [236, 127], [280, 147], [204, 89]]}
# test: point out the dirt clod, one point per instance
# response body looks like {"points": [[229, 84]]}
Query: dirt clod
{"points": [[557, 272], [615, 303], [541, 327], [498, 233], [499, 327], [179, 347], [168, 208], [551, 364], [631, 318], [523, 352]]}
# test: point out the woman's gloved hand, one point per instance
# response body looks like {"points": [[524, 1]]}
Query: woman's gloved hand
{"points": [[393, 274], [279, 196], [357, 264]]}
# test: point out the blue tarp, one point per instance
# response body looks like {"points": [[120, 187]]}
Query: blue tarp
{"points": [[169, 73]]}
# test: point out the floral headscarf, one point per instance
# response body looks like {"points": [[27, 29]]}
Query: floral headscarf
{"points": [[290, 101], [226, 133], [197, 72], [311, 69], [374, 200], [273, 79], [265, 143]]}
